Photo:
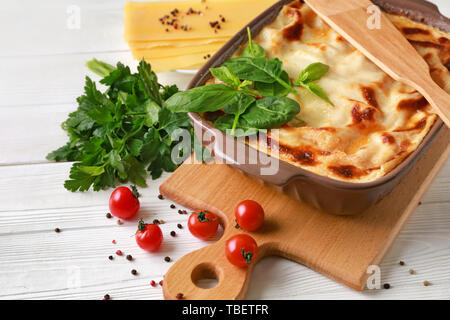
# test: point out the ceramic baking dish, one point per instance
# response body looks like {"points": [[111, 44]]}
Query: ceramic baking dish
{"points": [[329, 195]]}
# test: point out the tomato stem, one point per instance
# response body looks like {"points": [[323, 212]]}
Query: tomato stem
{"points": [[141, 225], [201, 215], [247, 256], [135, 191]]}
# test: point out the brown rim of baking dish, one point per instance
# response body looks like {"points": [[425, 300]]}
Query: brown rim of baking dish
{"points": [[418, 10]]}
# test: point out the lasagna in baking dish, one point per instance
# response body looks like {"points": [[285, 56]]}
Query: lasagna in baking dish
{"points": [[376, 122]]}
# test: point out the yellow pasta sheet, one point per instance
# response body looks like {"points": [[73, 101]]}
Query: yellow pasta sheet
{"points": [[142, 18]]}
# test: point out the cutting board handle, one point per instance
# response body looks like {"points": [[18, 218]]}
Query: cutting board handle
{"points": [[206, 263]]}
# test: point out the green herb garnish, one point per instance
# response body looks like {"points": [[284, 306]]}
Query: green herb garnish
{"points": [[253, 50], [120, 134], [312, 73], [258, 69]]}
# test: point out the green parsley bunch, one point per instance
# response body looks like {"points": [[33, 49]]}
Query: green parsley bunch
{"points": [[118, 135]]}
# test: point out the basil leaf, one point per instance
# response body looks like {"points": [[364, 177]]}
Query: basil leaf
{"points": [[258, 69], [225, 75], [273, 89], [225, 124], [238, 108], [211, 97], [318, 91], [253, 50], [255, 69], [270, 112], [313, 72]]}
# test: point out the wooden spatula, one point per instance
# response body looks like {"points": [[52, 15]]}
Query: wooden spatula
{"points": [[377, 38]]}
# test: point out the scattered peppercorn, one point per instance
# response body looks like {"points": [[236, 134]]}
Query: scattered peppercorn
{"points": [[173, 233], [402, 263], [420, 203], [134, 272], [426, 283], [180, 212], [109, 215], [57, 230], [172, 206], [167, 259], [411, 271], [119, 252], [156, 221], [179, 296], [386, 286], [153, 283], [160, 197], [213, 24], [106, 297], [179, 226], [111, 258], [129, 257]]}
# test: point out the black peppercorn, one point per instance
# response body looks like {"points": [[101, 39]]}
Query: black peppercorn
{"points": [[133, 272], [167, 259], [160, 197], [110, 257], [109, 215], [179, 296], [172, 206], [386, 286], [179, 226], [106, 297], [129, 257], [57, 230], [173, 233]]}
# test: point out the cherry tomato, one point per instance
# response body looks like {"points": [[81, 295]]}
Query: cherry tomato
{"points": [[249, 215], [203, 224], [149, 236], [124, 203], [241, 250]]}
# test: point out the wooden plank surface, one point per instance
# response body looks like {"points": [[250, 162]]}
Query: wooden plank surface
{"points": [[42, 74]]}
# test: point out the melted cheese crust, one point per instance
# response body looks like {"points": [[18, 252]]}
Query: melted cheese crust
{"points": [[376, 122]]}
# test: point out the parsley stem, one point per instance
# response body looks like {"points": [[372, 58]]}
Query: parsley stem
{"points": [[99, 67]]}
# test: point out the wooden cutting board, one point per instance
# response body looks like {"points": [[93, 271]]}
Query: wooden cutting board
{"points": [[339, 247]]}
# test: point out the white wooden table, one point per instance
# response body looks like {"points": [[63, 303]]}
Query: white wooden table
{"points": [[42, 72]]}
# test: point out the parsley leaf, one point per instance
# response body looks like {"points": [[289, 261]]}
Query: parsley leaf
{"points": [[123, 133]]}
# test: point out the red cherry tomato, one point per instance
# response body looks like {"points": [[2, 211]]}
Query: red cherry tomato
{"points": [[249, 215], [149, 236], [241, 250], [124, 203], [203, 224]]}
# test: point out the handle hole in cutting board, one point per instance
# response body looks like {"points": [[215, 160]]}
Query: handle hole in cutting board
{"points": [[206, 275]]}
